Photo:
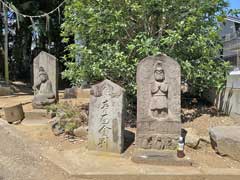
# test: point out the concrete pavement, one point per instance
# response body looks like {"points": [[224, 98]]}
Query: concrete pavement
{"points": [[20, 159]]}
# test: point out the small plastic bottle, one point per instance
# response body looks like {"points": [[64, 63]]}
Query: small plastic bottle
{"points": [[180, 149]]}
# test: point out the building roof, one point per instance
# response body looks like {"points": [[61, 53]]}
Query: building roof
{"points": [[234, 19]]}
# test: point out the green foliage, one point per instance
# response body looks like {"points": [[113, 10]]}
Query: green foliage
{"points": [[69, 116], [23, 33], [117, 34]]}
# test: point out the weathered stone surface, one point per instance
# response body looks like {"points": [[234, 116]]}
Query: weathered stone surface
{"points": [[49, 63], [76, 102], [106, 117], [13, 113], [45, 89], [193, 140], [164, 158], [76, 92], [5, 89], [56, 128], [226, 140], [70, 93], [80, 131], [158, 103]]}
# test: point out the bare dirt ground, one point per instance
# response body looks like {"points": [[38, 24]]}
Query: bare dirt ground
{"points": [[201, 116], [204, 157]]}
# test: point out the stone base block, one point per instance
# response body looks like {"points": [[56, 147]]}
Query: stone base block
{"points": [[225, 141], [39, 114], [157, 141], [160, 127], [75, 92], [83, 93], [163, 158], [13, 113], [75, 102], [5, 91]]}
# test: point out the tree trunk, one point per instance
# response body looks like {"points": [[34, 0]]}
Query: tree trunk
{"points": [[6, 45]]}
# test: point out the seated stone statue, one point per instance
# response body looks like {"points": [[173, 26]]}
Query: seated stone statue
{"points": [[43, 91]]}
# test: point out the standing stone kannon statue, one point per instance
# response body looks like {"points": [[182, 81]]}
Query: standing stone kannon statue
{"points": [[106, 117], [158, 103], [43, 91], [159, 92]]}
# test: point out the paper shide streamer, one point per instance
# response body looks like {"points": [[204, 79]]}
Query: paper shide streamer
{"points": [[19, 15]]}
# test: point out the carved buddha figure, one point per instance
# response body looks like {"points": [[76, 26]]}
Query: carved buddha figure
{"points": [[43, 91], [159, 92]]}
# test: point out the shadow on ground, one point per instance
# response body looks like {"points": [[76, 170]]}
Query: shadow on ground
{"points": [[129, 138], [193, 108]]}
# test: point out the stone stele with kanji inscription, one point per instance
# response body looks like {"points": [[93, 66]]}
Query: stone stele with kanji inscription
{"points": [[106, 117]]}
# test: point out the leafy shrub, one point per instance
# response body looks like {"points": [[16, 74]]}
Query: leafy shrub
{"points": [[70, 117], [116, 35]]}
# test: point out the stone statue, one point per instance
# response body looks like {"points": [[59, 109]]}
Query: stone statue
{"points": [[158, 103], [159, 93], [43, 91]]}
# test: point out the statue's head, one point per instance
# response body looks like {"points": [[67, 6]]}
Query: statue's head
{"points": [[159, 74], [42, 75]]}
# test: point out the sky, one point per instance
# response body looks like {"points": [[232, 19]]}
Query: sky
{"points": [[234, 4]]}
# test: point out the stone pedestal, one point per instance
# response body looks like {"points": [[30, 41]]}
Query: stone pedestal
{"points": [[5, 89], [106, 117], [163, 158]]}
